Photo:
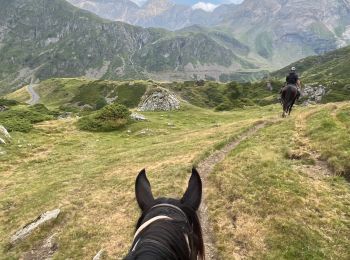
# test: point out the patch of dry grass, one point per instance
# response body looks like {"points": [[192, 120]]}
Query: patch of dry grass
{"points": [[20, 95]]}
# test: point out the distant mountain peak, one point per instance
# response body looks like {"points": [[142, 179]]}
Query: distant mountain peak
{"points": [[161, 4], [156, 7]]}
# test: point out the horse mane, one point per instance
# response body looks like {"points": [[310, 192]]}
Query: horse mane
{"points": [[171, 233]]}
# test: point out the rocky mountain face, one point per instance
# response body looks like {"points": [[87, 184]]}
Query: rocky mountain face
{"points": [[44, 39], [154, 13], [115, 10], [281, 31], [287, 30]]}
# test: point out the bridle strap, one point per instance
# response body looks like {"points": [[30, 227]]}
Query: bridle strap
{"points": [[171, 206], [149, 222], [157, 218]]}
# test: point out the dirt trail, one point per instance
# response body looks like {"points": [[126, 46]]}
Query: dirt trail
{"points": [[206, 167], [320, 168], [34, 96]]}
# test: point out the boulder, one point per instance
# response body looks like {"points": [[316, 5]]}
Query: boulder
{"points": [[159, 99], [3, 108], [4, 135], [138, 117], [313, 94], [30, 227]]}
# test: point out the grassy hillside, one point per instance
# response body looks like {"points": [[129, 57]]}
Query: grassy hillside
{"points": [[278, 195], [69, 94], [262, 202], [332, 66]]}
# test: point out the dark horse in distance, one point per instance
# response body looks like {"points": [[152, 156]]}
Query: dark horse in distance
{"points": [[168, 228], [288, 97]]}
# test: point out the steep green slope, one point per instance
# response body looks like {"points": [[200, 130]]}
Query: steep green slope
{"points": [[44, 39], [332, 66]]}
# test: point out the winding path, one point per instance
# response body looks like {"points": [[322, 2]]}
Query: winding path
{"points": [[34, 96], [206, 167]]}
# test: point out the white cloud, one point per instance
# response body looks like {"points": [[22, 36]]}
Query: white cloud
{"points": [[208, 7], [139, 2], [233, 1]]}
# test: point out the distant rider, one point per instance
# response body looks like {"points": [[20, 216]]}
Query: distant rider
{"points": [[293, 79]]}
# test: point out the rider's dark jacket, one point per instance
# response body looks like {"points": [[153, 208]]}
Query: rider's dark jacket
{"points": [[292, 78]]}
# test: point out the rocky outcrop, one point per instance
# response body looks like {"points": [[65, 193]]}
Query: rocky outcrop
{"points": [[159, 99], [45, 250], [3, 108], [313, 94], [5, 137], [138, 117], [30, 227]]}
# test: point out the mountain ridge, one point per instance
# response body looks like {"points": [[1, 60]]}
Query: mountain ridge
{"points": [[40, 40]]}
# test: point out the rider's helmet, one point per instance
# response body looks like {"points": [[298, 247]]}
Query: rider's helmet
{"points": [[293, 69]]}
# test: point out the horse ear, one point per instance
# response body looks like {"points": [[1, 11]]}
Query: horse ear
{"points": [[193, 194], [143, 191]]}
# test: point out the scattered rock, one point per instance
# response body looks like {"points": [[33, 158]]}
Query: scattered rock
{"points": [[146, 132], [65, 115], [4, 133], [313, 94], [110, 100], [159, 99], [200, 83], [30, 227], [99, 255], [3, 108], [87, 107], [138, 117], [44, 251]]}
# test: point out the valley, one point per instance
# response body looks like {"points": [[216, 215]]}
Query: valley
{"points": [[92, 92], [241, 43]]}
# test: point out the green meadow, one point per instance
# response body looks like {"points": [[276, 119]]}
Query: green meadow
{"points": [[280, 194]]}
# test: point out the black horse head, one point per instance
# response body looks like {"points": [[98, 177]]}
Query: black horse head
{"points": [[168, 228]]}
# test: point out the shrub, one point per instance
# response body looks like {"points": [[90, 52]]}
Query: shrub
{"points": [[101, 103], [130, 95], [8, 102], [22, 119], [113, 112], [17, 124], [109, 118]]}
